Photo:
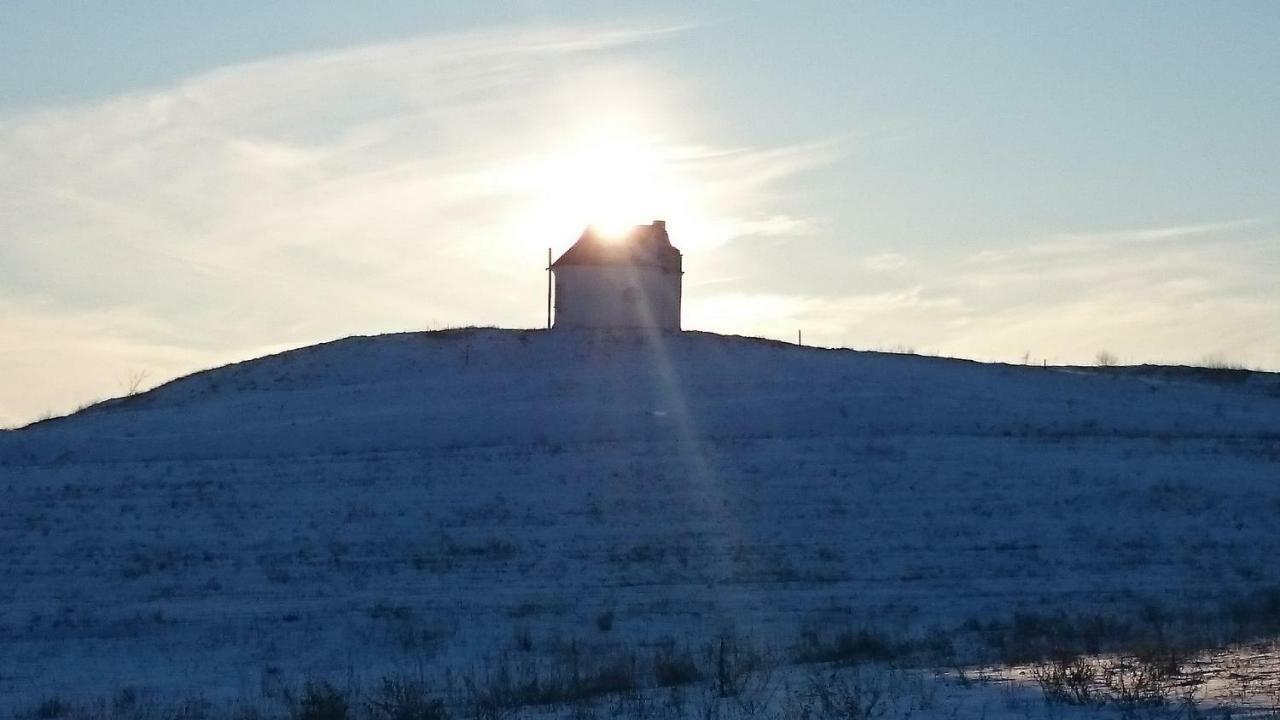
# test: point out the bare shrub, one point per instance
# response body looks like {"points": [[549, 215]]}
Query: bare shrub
{"points": [[846, 646], [1218, 362], [1131, 682], [1066, 679], [50, 709], [672, 667], [612, 675], [757, 692], [1128, 683], [1256, 615], [132, 382], [1032, 636], [405, 700], [853, 695], [731, 659], [321, 701], [522, 639], [196, 709], [632, 705], [572, 675], [493, 549], [604, 621], [487, 700]]}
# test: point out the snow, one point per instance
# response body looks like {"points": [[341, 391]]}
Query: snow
{"points": [[422, 500]]}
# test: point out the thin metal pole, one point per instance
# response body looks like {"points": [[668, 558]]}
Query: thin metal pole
{"points": [[548, 288], [799, 337]]}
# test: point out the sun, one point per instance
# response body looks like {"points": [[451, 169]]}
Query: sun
{"points": [[610, 182], [611, 230]]}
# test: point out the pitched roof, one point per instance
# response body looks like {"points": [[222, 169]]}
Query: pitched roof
{"points": [[646, 245]]}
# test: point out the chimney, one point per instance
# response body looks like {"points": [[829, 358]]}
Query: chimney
{"points": [[660, 225]]}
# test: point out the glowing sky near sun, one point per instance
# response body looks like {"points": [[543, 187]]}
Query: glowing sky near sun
{"points": [[182, 186]]}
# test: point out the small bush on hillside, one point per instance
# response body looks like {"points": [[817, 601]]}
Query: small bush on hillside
{"points": [[847, 646], [614, 675], [1133, 682], [246, 712], [125, 702], [494, 549], [1218, 362], [856, 696], [731, 660], [404, 700], [191, 710], [1068, 680], [604, 621], [672, 667], [573, 674], [322, 701], [1032, 636], [522, 639], [1258, 614], [50, 709]]}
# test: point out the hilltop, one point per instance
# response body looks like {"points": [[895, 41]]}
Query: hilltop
{"points": [[432, 501]]}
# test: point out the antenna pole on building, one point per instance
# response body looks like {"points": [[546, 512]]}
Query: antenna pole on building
{"points": [[799, 337], [548, 288]]}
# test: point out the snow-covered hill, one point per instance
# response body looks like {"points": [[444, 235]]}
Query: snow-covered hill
{"points": [[433, 499], [470, 388]]}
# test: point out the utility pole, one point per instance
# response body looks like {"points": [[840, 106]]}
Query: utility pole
{"points": [[548, 288]]}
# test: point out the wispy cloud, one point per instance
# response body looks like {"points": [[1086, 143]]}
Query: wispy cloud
{"points": [[1076, 243], [1164, 293], [1148, 234], [1173, 293], [832, 320], [315, 195], [885, 262]]}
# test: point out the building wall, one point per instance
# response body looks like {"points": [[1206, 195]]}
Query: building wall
{"points": [[616, 296]]}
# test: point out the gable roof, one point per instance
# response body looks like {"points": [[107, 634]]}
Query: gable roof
{"points": [[644, 245]]}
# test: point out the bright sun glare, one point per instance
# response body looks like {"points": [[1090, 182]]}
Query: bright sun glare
{"points": [[611, 183]]}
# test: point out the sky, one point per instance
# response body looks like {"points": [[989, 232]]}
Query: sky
{"points": [[188, 184]]}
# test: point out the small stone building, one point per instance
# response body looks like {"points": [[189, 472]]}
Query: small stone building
{"points": [[631, 281]]}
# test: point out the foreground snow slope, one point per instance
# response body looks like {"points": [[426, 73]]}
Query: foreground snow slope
{"points": [[430, 499]]}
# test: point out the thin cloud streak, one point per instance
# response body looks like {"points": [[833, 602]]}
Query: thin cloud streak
{"points": [[885, 262], [1069, 243], [1158, 233]]}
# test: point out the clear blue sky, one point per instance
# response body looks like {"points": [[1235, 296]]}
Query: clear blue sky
{"points": [[185, 184]]}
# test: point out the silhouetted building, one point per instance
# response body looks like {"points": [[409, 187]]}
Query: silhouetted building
{"points": [[628, 282]]}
